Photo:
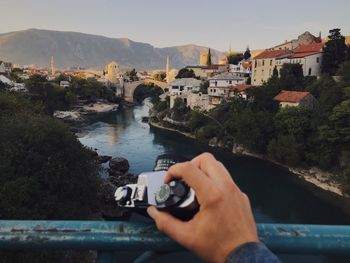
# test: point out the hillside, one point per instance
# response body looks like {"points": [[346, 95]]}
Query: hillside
{"points": [[34, 46]]}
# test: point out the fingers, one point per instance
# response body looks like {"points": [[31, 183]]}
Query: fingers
{"points": [[215, 170], [194, 177], [174, 228]]}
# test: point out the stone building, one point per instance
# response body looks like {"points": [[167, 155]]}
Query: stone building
{"points": [[303, 99], [304, 39], [113, 73]]}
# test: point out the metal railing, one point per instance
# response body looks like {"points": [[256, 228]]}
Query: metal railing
{"points": [[106, 237]]}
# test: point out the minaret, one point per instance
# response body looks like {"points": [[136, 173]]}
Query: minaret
{"points": [[53, 70], [229, 50], [167, 72]]}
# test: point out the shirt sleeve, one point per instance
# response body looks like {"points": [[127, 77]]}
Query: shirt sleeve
{"points": [[252, 253]]}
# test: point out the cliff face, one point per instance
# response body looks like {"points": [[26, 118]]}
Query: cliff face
{"points": [[35, 46]]}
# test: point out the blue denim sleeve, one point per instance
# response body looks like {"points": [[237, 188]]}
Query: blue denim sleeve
{"points": [[252, 253]]}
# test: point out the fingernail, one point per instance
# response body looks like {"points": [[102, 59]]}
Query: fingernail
{"points": [[151, 210]]}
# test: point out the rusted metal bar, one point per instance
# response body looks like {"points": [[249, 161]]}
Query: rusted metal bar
{"points": [[125, 236]]}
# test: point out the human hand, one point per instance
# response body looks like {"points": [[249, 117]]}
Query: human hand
{"points": [[224, 220]]}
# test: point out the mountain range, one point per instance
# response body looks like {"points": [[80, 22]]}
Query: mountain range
{"points": [[70, 49]]}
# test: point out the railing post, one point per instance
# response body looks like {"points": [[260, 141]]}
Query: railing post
{"points": [[104, 256]]}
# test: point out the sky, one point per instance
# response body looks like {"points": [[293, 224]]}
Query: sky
{"points": [[162, 23]]}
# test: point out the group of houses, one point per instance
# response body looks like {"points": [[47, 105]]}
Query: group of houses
{"points": [[227, 80]]}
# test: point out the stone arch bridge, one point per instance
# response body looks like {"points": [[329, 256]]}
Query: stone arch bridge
{"points": [[130, 87]]}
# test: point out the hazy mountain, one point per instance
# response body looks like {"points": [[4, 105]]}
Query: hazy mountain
{"points": [[35, 46]]}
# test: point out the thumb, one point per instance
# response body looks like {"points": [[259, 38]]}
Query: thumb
{"points": [[173, 227]]}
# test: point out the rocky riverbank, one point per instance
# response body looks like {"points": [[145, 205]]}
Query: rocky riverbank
{"points": [[118, 168], [79, 112], [321, 183]]}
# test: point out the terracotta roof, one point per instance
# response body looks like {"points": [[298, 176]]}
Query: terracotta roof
{"points": [[291, 96], [241, 87], [247, 64], [309, 48], [302, 55], [269, 54]]}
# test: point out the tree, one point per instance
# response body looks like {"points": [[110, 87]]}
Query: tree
{"points": [[293, 121], [185, 73], [209, 58], [334, 52], [45, 173], [204, 87], [179, 110], [285, 149], [275, 72], [292, 76], [160, 76], [132, 74], [235, 58], [247, 54]]}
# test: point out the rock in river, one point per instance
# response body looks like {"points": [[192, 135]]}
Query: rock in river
{"points": [[103, 158], [119, 164]]}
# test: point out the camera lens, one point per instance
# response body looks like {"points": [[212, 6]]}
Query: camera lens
{"points": [[163, 194]]}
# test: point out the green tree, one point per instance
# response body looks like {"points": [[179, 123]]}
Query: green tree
{"points": [[292, 77], [235, 58], [179, 110], [132, 74], [204, 87], [160, 76], [45, 173], [334, 52], [247, 54], [293, 121], [209, 58], [285, 149], [275, 72], [71, 98], [185, 73]]}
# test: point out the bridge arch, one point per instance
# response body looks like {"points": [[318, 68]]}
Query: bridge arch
{"points": [[130, 87]]}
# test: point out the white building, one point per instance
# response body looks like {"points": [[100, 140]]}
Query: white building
{"points": [[64, 84], [5, 67], [182, 87], [243, 69], [308, 56], [220, 86]]}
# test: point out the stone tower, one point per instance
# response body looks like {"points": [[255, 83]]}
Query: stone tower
{"points": [[167, 70], [53, 69]]}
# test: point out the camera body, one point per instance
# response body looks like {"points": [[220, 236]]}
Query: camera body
{"points": [[175, 197]]}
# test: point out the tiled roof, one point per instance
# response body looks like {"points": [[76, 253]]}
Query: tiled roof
{"points": [[309, 48], [241, 87], [225, 76], [269, 54], [302, 55], [186, 82], [291, 96], [247, 64]]}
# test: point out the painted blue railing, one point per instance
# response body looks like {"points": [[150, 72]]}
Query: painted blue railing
{"points": [[106, 237]]}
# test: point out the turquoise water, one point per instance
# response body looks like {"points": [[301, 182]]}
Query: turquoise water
{"points": [[274, 193]]}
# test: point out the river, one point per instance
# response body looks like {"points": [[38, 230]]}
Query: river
{"points": [[275, 195]]}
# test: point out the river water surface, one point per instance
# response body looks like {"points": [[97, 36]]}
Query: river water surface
{"points": [[275, 195]]}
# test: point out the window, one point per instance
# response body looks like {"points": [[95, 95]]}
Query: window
{"points": [[214, 90], [318, 59], [271, 62], [230, 82], [216, 83], [263, 62], [309, 71], [256, 63]]}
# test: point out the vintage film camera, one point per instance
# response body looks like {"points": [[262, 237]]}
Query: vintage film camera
{"points": [[175, 197]]}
